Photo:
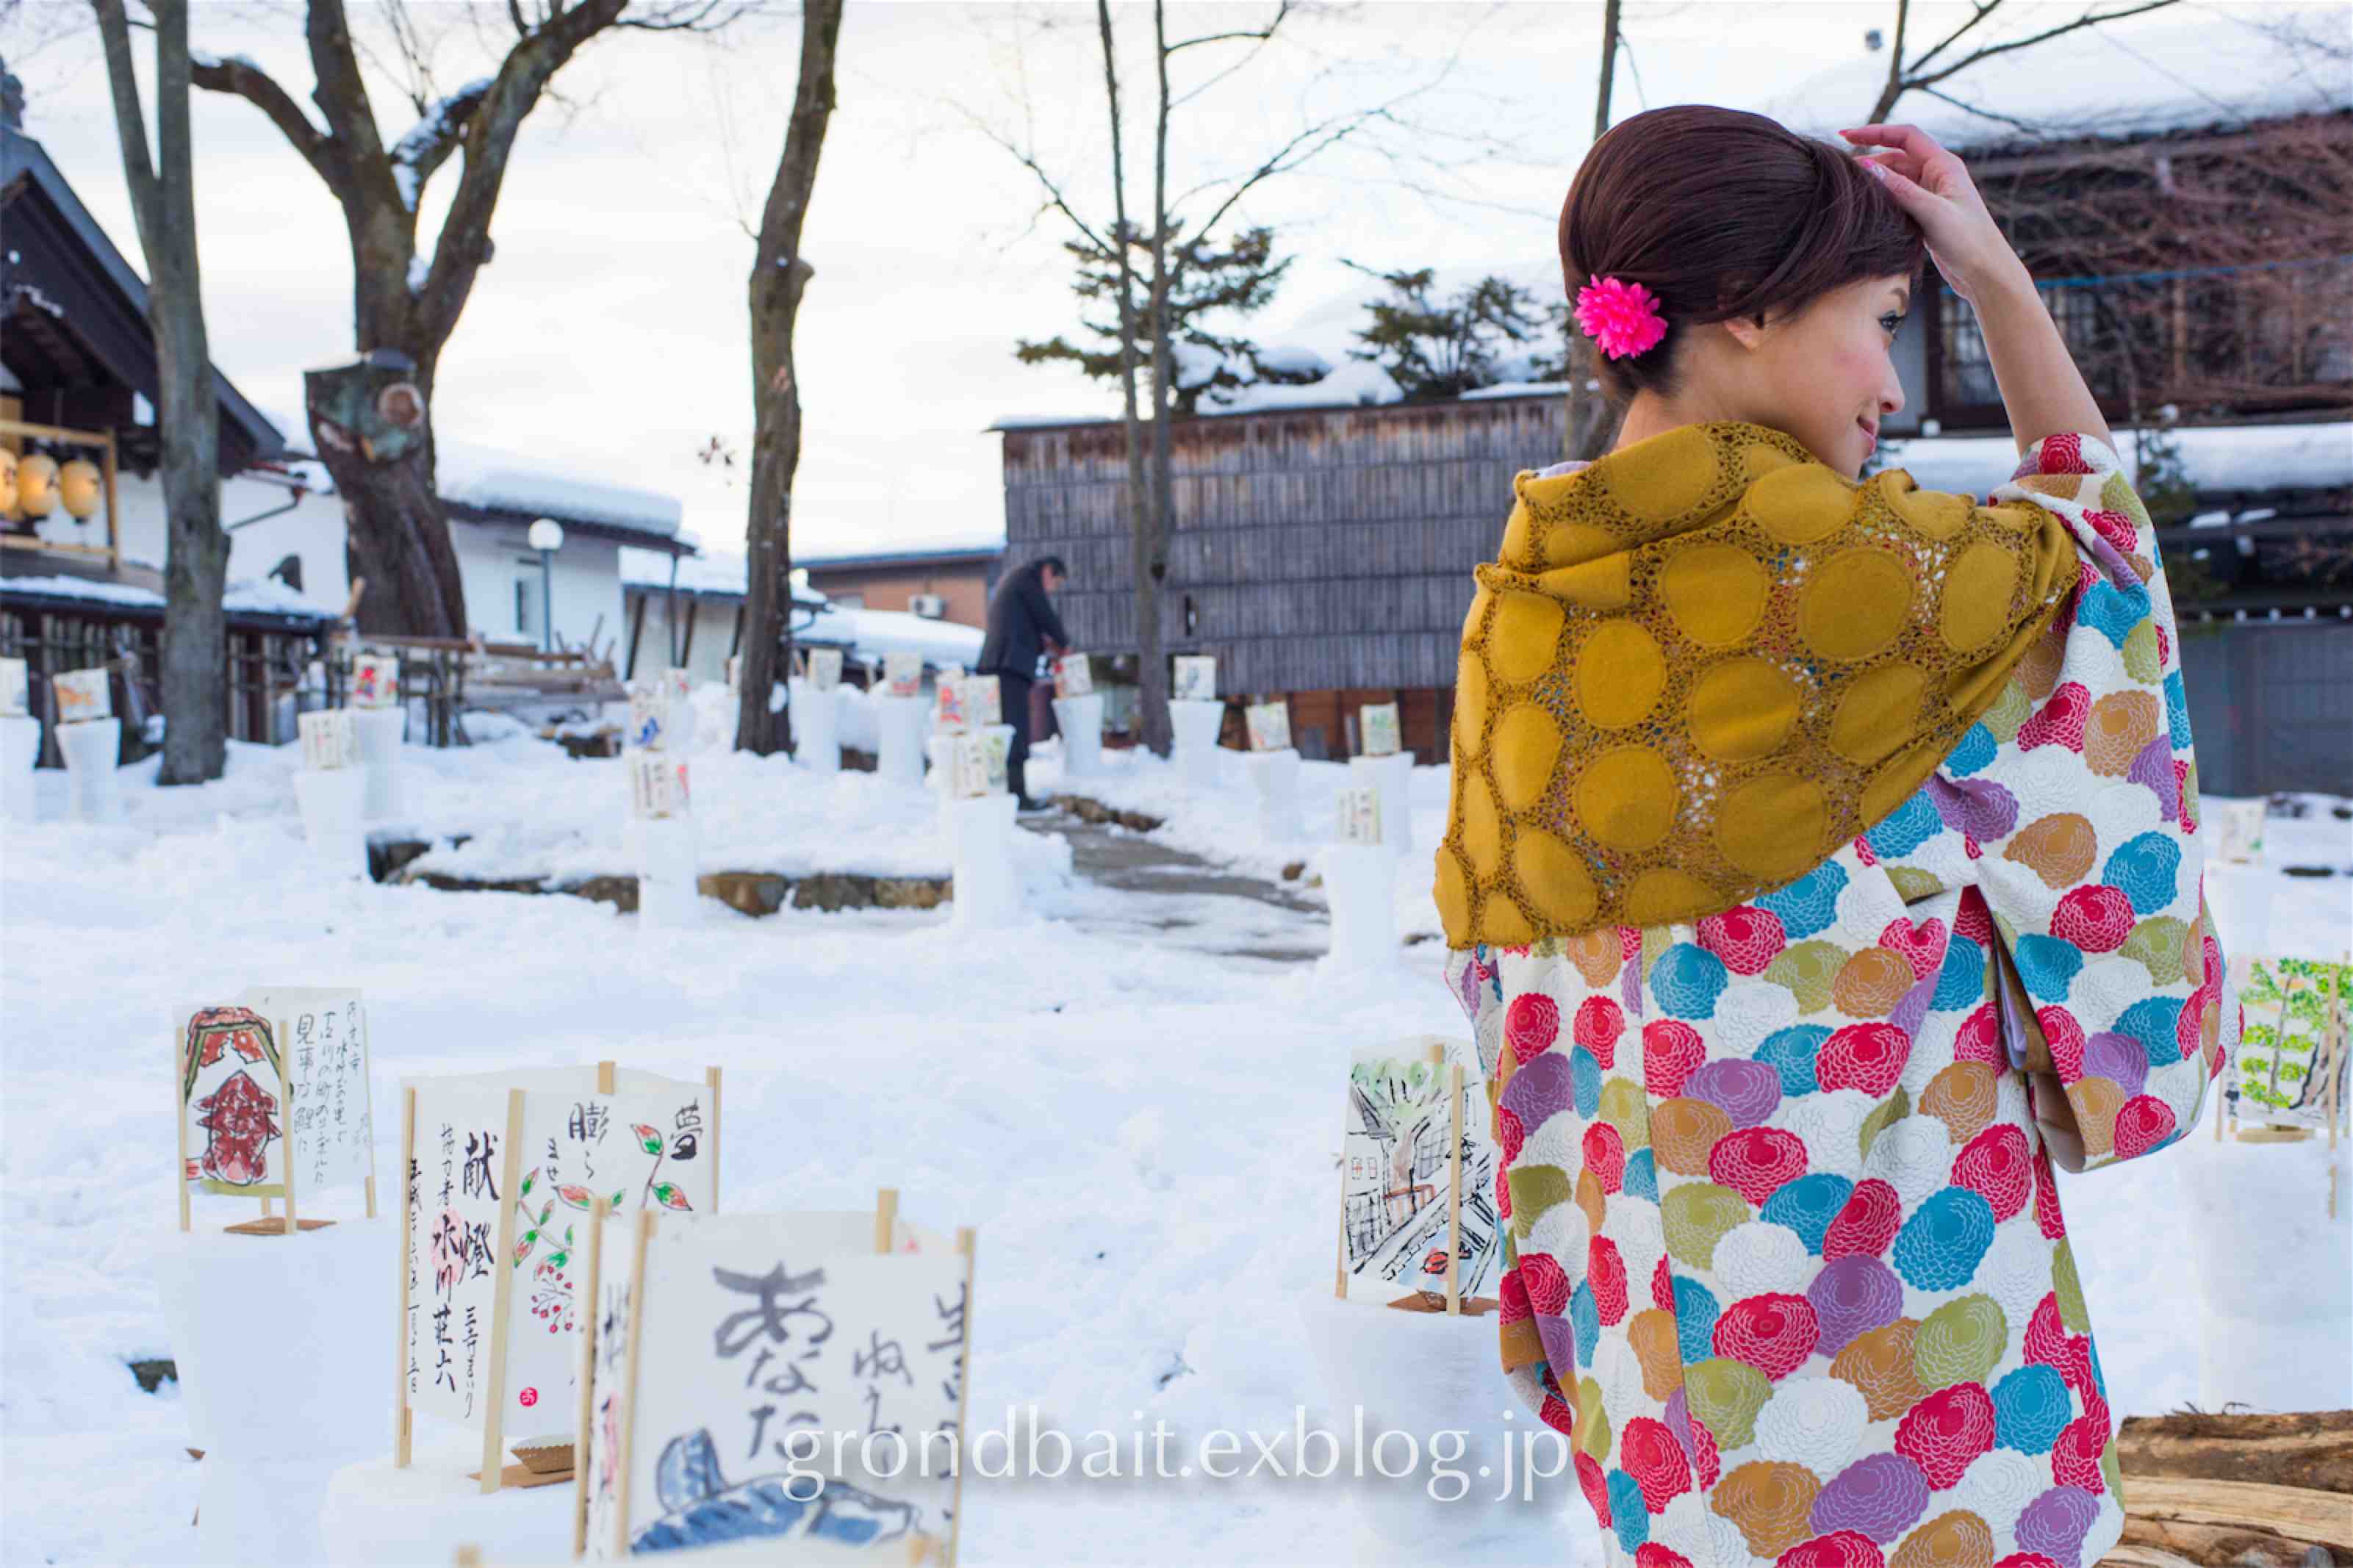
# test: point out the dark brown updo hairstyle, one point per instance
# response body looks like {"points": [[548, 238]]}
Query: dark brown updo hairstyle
{"points": [[1723, 213]]}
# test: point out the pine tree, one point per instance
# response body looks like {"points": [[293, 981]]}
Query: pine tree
{"points": [[1207, 282], [1438, 349]]}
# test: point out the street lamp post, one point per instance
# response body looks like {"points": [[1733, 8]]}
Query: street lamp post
{"points": [[546, 537]]}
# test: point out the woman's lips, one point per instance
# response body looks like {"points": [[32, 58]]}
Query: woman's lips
{"points": [[1870, 435]]}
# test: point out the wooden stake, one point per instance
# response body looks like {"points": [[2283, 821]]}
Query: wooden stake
{"points": [[1340, 1264], [1453, 1186], [495, 1408], [628, 1422], [371, 1193], [400, 1422], [581, 1459], [180, 1115], [886, 1218], [964, 1394], [604, 1077], [711, 1079], [286, 1109], [469, 1556]]}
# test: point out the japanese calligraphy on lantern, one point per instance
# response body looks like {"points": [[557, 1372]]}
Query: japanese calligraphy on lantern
{"points": [[1404, 1191], [1377, 727], [330, 1118], [375, 680], [329, 739], [824, 668], [475, 1208], [232, 1102], [1359, 811], [1073, 676], [791, 1383], [81, 694], [902, 673], [658, 784], [1269, 725], [1194, 678], [14, 688]]}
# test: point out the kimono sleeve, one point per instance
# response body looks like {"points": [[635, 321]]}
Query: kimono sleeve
{"points": [[2096, 876]]}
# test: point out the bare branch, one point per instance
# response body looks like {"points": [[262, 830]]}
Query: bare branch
{"points": [[240, 77], [1055, 200], [1985, 8], [1261, 34], [2088, 19], [693, 17]]}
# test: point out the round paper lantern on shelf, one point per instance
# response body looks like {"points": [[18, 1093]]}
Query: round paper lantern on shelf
{"points": [[7, 481], [78, 485], [36, 485]]}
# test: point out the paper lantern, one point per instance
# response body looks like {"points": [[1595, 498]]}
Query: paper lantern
{"points": [[36, 485], [77, 484], [7, 480]]}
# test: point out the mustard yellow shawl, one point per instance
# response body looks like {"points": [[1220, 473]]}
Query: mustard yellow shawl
{"points": [[1699, 665]]}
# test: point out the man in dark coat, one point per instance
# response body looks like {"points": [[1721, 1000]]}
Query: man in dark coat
{"points": [[1022, 624]]}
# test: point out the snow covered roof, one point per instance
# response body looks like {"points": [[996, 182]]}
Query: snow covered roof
{"points": [[2218, 458], [871, 633], [2113, 80], [269, 597], [491, 481], [722, 575], [950, 548]]}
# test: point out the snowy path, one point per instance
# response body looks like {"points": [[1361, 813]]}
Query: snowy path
{"points": [[1184, 900]]}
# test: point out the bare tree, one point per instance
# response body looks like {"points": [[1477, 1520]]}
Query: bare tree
{"points": [[1150, 502], [376, 438], [779, 278], [196, 558], [1940, 61]]}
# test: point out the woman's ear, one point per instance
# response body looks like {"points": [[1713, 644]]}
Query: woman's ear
{"points": [[1747, 331]]}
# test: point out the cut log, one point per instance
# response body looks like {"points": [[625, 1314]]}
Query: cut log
{"points": [[2299, 1448], [2208, 1545], [2301, 1514]]}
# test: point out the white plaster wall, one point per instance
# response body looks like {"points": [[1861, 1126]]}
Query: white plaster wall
{"points": [[586, 576]]}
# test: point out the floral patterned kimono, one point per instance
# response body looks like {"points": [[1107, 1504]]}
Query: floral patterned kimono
{"points": [[1785, 1257]]}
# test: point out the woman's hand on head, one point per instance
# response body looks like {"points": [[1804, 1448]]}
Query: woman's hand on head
{"points": [[1934, 188]]}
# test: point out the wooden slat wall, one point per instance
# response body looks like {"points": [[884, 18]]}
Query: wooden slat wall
{"points": [[1323, 552]]}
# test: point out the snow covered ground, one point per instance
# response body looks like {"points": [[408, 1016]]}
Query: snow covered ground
{"points": [[1134, 1104]]}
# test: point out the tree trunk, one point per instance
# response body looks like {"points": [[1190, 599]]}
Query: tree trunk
{"points": [[779, 280], [1151, 674], [396, 533], [1158, 519], [195, 557], [1591, 424]]}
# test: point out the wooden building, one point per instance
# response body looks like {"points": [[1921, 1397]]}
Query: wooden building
{"points": [[1322, 554], [940, 584]]}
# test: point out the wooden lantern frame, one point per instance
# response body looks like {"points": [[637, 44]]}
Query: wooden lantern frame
{"points": [[111, 550]]}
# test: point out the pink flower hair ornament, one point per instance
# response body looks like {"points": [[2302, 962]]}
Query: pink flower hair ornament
{"points": [[1623, 317]]}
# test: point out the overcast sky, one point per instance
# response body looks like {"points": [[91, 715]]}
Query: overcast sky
{"points": [[608, 335]]}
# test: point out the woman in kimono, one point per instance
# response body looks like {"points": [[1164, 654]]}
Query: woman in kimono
{"points": [[1822, 869]]}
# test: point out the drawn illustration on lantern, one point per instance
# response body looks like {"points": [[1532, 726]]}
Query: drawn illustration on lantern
{"points": [[81, 695], [1379, 729], [1269, 725], [233, 1116], [902, 673], [1195, 677], [949, 713], [375, 680], [1405, 1191], [328, 741], [1073, 676], [649, 701], [984, 700]]}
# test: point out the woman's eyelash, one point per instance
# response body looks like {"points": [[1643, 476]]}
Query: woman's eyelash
{"points": [[1893, 321]]}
